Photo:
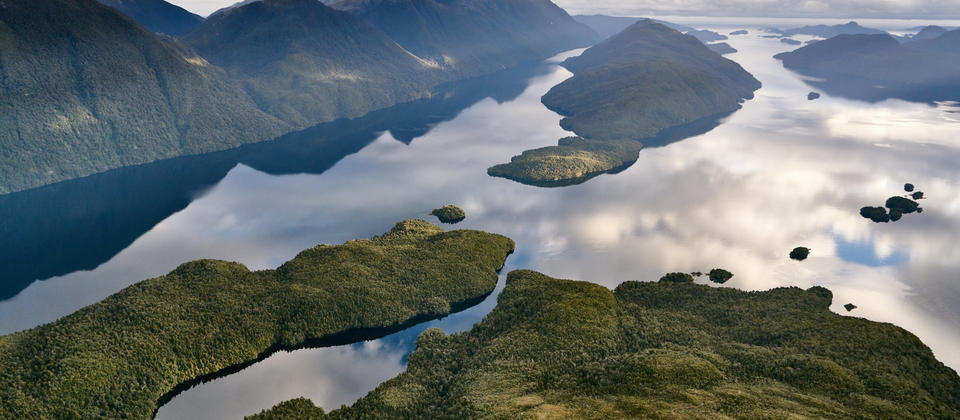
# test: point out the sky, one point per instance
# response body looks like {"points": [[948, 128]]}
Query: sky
{"points": [[930, 9]]}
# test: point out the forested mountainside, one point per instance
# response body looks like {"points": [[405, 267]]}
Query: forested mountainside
{"points": [[84, 89]]}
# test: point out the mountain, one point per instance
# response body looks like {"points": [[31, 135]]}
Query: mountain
{"points": [[84, 89], [946, 43], [647, 82], [671, 349], [877, 67], [929, 32], [608, 26], [646, 79], [475, 37], [157, 15], [307, 63], [830, 31]]}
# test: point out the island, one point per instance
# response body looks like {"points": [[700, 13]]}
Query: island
{"points": [[449, 214], [849, 307], [721, 48], [647, 80], [573, 161], [895, 207], [740, 32], [878, 67], [799, 253], [813, 96], [128, 354], [670, 349], [790, 41]]}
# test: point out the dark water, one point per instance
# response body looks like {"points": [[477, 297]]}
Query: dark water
{"points": [[780, 173]]}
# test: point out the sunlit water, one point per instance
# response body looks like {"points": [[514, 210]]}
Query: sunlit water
{"points": [[780, 173]]}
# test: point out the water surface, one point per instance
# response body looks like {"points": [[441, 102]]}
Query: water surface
{"points": [[780, 173]]}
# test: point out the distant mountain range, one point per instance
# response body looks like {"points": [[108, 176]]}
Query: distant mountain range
{"points": [[84, 89], [877, 67], [829, 31], [475, 36], [608, 26], [157, 15]]}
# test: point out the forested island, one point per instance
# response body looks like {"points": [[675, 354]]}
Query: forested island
{"points": [[632, 86], [122, 357], [670, 349], [875, 67]]}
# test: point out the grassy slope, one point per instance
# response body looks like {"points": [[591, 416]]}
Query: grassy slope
{"points": [[84, 89], [307, 63], [116, 358], [573, 160], [565, 349]]}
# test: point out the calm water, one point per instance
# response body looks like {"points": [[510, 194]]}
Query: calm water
{"points": [[780, 173]]}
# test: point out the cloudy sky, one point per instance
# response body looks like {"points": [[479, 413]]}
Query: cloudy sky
{"points": [[780, 8]]}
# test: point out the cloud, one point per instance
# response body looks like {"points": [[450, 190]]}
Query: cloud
{"points": [[942, 9]]}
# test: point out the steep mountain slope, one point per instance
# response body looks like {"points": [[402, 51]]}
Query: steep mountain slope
{"points": [[876, 67], [475, 36], [666, 350], [84, 89], [306, 63], [157, 15]]}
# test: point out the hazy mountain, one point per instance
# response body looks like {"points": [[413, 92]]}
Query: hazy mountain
{"points": [[830, 31], [646, 79], [946, 43], [157, 15], [608, 26], [84, 89], [876, 67], [475, 36], [306, 63], [929, 32]]}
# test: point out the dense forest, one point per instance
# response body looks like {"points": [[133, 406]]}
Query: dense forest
{"points": [[670, 349], [119, 358]]}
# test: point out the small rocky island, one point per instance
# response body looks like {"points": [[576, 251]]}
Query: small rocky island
{"points": [[740, 32], [800, 253], [895, 207], [721, 48], [630, 87], [671, 349], [790, 41], [812, 96], [450, 214]]}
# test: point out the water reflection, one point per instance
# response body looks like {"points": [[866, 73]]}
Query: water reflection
{"points": [[782, 172], [80, 224]]}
